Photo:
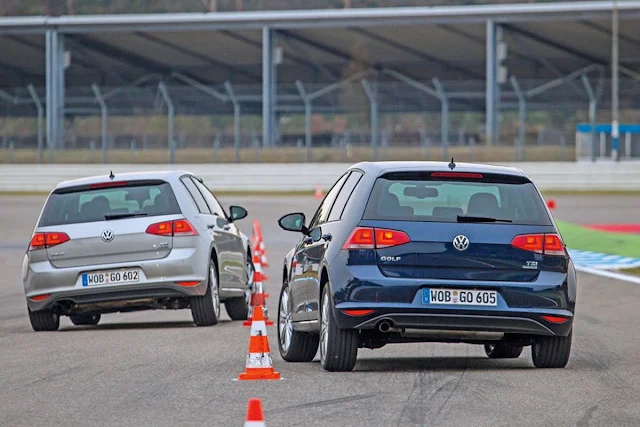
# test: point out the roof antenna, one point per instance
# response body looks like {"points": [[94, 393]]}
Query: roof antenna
{"points": [[111, 175], [452, 165]]}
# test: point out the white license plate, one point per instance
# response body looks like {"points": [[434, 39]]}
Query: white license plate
{"points": [[459, 297], [112, 277]]}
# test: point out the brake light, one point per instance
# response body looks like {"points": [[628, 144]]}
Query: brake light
{"points": [[108, 184], [179, 227], [547, 244], [40, 297], [375, 238], [47, 240], [553, 245], [555, 319], [456, 175], [182, 227], [389, 238], [361, 238], [357, 313]]}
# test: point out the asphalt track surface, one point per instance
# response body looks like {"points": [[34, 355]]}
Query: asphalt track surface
{"points": [[156, 368]]}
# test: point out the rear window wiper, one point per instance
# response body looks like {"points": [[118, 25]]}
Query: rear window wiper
{"points": [[123, 215], [468, 218]]}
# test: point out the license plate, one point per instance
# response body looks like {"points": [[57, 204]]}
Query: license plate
{"points": [[459, 297], [113, 277]]}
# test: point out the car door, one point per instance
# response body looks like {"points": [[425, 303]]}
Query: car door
{"points": [[229, 235], [322, 231], [210, 222]]}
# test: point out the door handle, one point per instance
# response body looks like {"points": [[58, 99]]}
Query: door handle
{"points": [[211, 226], [327, 237]]}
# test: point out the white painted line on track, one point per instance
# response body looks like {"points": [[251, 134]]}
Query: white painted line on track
{"points": [[610, 274]]}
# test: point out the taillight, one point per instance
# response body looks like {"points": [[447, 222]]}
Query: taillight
{"points": [[555, 319], [389, 238], [108, 184], [47, 240], [463, 175], [547, 244], [357, 313], [375, 238], [179, 227], [40, 297], [361, 238]]}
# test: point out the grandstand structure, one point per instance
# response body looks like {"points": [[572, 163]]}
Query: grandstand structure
{"points": [[493, 60]]}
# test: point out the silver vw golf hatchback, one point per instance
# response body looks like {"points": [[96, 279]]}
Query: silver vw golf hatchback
{"points": [[136, 241]]}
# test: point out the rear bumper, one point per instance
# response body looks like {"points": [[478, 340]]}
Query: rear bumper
{"points": [[522, 323], [158, 280]]}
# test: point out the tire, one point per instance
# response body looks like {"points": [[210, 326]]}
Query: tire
{"points": [[503, 351], [551, 352], [85, 319], [44, 320], [238, 308], [294, 346], [205, 309], [338, 347]]}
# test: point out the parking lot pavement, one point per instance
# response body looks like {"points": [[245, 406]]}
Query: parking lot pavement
{"points": [[156, 368]]}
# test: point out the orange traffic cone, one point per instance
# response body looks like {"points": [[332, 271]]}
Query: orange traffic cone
{"points": [[259, 365], [318, 194], [258, 296], [255, 416], [257, 260]]}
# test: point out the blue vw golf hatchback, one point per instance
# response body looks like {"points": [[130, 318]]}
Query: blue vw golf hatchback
{"points": [[402, 252]]}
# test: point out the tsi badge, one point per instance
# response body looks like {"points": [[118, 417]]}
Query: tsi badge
{"points": [[531, 265], [390, 258]]}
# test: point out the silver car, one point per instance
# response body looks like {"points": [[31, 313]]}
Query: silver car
{"points": [[136, 241]]}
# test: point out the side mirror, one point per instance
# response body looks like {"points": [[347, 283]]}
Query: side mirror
{"points": [[293, 222], [237, 213]]}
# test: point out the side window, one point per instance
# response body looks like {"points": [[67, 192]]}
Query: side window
{"points": [[215, 207], [344, 196], [195, 195], [323, 211]]}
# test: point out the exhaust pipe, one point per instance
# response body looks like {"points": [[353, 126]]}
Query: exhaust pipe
{"points": [[384, 327]]}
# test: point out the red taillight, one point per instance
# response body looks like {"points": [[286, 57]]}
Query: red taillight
{"points": [[108, 184], [553, 245], [389, 238], [547, 244], [456, 175], [375, 238], [180, 227], [47, 240], [357, 313], [40, 297], [555, 319], [361, 238], [188, 284]]}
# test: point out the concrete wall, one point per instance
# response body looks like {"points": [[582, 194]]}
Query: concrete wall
{"points": [[305, 177]]}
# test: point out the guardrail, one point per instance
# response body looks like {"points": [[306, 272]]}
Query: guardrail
{"points": [[306, 176]]}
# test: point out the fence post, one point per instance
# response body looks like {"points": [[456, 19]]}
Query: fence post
{"points": [[11, 152], [216, 148], [132, 147]]}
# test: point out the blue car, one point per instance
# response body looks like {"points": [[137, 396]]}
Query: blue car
{"points": [[404, 252]]}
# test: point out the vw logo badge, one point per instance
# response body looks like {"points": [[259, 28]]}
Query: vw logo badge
{"points": [[461, 242], [107, 236]]}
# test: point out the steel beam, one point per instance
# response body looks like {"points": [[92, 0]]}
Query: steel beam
{"points": [[491, 109], [55, 90], [416, 53], [104, 121], [170, 115], [202, 88], [200, 57], [559, 82], [615, 84], [593, 105], [269, 88], [40, 108]]}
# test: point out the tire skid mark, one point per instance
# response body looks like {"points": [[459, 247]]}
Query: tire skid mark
{"points": [[321, 403]]}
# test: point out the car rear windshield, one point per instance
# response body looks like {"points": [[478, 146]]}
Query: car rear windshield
{"points": [[97, 202], [443, 197]]}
